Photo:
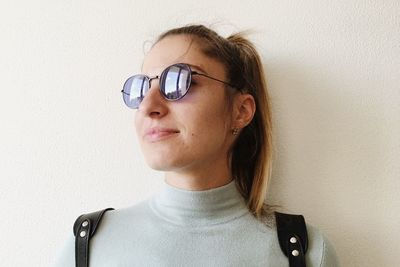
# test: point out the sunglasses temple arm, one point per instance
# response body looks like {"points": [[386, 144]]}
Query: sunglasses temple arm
{"points": [[212, 78]]}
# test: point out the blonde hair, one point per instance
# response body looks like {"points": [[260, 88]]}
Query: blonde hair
{"points": [[251, 154]]}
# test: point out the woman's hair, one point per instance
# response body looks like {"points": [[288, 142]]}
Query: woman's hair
{"points": [[251, 154]]}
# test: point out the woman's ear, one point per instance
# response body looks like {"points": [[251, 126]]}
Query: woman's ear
{"points": [[244, 109]]}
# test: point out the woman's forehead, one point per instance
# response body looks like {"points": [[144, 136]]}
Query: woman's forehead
{"points": [[179, 49]]}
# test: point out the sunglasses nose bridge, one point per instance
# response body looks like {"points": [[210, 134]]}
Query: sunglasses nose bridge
{"points": [[153, 78], [149, 93]]}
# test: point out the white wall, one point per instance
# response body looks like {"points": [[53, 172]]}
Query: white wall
{"points": [[67, 143]]}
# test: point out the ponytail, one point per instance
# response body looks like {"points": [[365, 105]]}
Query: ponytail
{"points": [[252, 153]]}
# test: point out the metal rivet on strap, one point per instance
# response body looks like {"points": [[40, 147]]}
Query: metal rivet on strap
{"points": [[293, 240], [83, 234], [85, 223], [295, 253]]}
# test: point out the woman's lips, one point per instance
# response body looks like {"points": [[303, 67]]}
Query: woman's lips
{"points": [[156, 134]]}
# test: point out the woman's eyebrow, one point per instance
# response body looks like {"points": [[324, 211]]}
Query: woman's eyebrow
{"points": [[197, 67]]}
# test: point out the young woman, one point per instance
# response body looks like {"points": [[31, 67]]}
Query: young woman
{"points": [[203, 117]]}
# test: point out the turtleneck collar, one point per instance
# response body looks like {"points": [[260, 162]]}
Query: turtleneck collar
{"points": [[199, 208]]}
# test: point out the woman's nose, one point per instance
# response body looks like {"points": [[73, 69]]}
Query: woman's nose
{"points": [[153, 103]]}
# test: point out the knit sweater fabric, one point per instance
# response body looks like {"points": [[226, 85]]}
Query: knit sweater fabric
{"points": [[177, 227]]}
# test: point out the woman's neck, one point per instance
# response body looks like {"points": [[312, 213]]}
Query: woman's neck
{"points": [[203, 179]]}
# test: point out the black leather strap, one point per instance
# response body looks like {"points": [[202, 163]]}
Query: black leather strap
{"points": [[84, 228], [291, 230], [292, 235]]}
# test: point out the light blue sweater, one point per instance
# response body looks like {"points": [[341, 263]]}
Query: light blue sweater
{"points": [[192, 228]]}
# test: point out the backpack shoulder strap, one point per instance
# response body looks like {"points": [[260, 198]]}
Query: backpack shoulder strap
{"points": [[292, 235], [84, 228]]}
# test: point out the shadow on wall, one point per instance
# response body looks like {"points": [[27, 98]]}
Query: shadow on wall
{"points": [[329, 153]]}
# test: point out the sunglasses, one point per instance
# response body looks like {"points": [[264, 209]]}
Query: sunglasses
{"points": [[174, 84]]}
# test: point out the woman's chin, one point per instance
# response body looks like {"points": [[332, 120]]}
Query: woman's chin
{"points": [[160, 165]]}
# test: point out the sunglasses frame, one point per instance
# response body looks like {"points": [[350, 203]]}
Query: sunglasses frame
{"points": [[161, 77]]}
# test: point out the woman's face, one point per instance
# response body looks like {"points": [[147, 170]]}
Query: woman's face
{"points": [[194, 132]]}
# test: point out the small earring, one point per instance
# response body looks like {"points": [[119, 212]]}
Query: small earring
{"points": [[235, 131]]}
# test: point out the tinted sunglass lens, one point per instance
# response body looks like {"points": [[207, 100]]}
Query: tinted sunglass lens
{"points": [[134, 90], [175, 81]]}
